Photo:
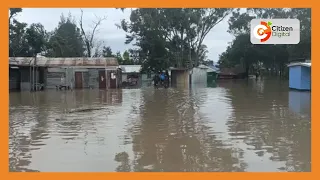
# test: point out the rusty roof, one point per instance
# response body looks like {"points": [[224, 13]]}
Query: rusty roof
{"points": [[60, 62]]}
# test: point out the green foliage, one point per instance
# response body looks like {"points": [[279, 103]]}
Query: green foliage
{"points": [[119, 57], [168, 37], [126, 58], [272, 57], [107, 52], [35, 35], [66, 40]]}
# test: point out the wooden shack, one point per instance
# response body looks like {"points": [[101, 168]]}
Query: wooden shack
{"points": [[77, 72]]}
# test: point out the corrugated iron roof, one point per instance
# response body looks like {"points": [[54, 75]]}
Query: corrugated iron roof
{"points": [[59, 62], [209, 68], [131, 68], [306, 64]]}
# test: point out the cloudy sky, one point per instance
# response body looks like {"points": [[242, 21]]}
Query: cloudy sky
{"points": [[217, 40]]}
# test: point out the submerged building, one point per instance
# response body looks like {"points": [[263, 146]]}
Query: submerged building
{"points": [[300, 76], [28, 73]]}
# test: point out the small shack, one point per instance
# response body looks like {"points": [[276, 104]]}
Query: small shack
{"points": [[179, 77], [77, 72], [199, 74], [300, 76], [237, 72], [131, 75], [212, 73]]}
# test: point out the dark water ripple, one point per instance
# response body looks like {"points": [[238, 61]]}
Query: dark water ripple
{"points": [[237, 126]]}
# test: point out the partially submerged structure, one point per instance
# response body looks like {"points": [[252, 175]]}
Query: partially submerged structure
{"points": [[212, 73], [300, 75], [185, 77], [237, 72], [180, 77], [28, 73], [131, 75]]}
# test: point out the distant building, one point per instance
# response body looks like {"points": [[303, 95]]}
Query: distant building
{"points": [[237, 72], [77, 72], [300, 75], [212, 73], [131, 75], [184, 77]]}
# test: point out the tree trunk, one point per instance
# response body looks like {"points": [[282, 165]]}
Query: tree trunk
{"points": [[246, 75]]}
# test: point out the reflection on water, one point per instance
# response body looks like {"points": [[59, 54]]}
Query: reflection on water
{"points": [[300, 102], [236, 126]]}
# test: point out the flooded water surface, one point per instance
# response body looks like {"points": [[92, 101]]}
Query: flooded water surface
{"points": [[233, 126]]}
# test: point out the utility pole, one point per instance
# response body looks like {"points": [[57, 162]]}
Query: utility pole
{"points": [[35, 64]]}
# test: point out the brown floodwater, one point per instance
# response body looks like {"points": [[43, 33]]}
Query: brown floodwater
{"points": [[233, 126]]}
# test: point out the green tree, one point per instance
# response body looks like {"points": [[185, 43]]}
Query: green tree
{"points": [[119, 58], [66, 40], [107, 52], [167, 37], [18, 44], [13, 12], [273, 57], [35, 36], [126, 58]]}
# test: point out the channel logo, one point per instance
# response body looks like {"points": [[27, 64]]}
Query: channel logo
{"points": [[275, 31], [262, 31]]}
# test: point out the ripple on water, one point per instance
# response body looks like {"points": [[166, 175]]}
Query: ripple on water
{"points": [[236, 126]]}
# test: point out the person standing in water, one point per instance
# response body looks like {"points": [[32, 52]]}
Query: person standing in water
{"points": [[167, 79], [162, 77], [156, 79], [257, 75]]}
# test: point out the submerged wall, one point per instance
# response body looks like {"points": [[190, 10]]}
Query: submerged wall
{"points": [[180, 78], [199, 76]]}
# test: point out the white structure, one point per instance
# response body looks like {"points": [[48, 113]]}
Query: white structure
{"points": [[199, 74], [129, 70]]}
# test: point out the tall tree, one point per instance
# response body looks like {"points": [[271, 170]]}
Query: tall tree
{"points": [[119, 57], [66, 39], [13, 12], [107, 52], [126, 58], [169, 37], [18, 44], [273, 57], [36, 37]]}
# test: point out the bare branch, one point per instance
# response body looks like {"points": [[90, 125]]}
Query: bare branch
{"points": [[89, 38], [96, 24]]}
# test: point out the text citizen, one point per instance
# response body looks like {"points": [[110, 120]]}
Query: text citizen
{"points": [[281, 31]]}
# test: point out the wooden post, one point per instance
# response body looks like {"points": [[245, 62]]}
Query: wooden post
{"points": [[35, 72], [30, 75], [32, 85]]}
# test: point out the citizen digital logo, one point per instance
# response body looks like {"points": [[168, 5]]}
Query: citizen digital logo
{"points": [[275, 31]]}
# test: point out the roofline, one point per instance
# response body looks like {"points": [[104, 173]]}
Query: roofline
{"points": [[299, 64]]}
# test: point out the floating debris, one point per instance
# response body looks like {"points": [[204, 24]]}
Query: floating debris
{"points": [[85, 109]]}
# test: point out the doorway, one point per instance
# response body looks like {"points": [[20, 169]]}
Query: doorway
{"points": [[78, 80], [102, 80]]}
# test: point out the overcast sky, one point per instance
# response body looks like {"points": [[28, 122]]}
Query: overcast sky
{"points": [[217, 40]]}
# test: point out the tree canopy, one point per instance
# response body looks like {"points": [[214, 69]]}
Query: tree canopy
{"points": [[171, 37], [272, 57], [164, 37]]}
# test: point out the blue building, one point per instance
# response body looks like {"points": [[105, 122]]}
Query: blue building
{"points": [[300, 76]]}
